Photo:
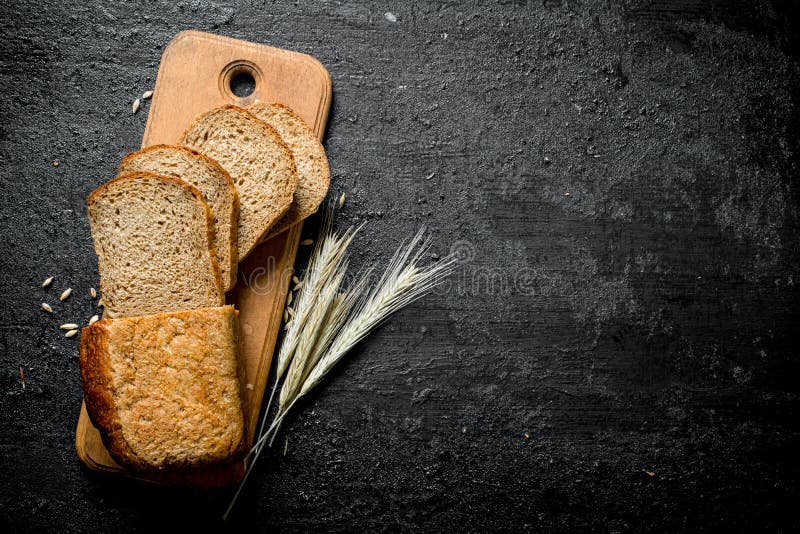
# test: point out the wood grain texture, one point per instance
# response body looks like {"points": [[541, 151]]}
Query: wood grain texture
{"points": [[194, 76]]}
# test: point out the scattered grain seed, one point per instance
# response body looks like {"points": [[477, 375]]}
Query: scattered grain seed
{"points": [[527, 436], [391, 17], [71, 333], [567, 194], [46, 307], [295, 280], [93, 292], [289, 298], [69, 326], [94, 319], [48, 281], [341, 200], [67, 292], [297, 286], [285, 316], [146, 95], [306, 242], [249, 386], [649, 473], [56, 163], [135, 106], [464, 430]]}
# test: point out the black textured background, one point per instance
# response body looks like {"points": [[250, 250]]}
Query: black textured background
{"points": [[623, 176]]}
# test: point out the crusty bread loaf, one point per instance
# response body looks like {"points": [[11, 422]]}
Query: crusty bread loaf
{"points": [[313, 173], [154, 239], [258, 161], [165, 390], [211, 180]]}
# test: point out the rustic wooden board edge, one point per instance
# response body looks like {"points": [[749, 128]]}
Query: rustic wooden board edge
{"points": [[103, 463]]}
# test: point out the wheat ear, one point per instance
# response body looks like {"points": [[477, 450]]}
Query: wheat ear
{"points": [[326, 259], [308, 338], [402, 283], [331, 311]]}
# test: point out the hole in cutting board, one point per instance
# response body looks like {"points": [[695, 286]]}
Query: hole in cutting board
{"points": [[243, 84]]}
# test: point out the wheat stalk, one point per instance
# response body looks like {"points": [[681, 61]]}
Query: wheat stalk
{"points": [[402, 283], [338, 321], [331, 311], [326, 259]]}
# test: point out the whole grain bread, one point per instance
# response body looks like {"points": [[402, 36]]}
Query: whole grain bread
{"points": [[211, 180], [154, 239], [313, 172], [164, 390], [259, 162]]}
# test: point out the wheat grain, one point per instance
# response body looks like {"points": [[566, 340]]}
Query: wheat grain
{"points": [[342, 200], [147, 95], [94, 319], [46, 307], [71, 333], [69, 326], [135, 106], [93, 292], [306, 242], [48, 281], [66, 293]]}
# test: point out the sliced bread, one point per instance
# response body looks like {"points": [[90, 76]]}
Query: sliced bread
{"points": [[213, 182], [258, 161], [164, 390], [313, 172], [154, 239]]}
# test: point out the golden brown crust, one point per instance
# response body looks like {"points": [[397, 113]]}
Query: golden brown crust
{"points": [[98, 395], [107, 391]]}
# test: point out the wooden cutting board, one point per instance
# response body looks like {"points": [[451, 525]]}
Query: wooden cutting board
{"points": [[195, 76]]}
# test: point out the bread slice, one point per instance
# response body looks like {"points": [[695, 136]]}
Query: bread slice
{"points": [[213, 182], [313, 172], [164, 390], [154, 239], [258, 161]]}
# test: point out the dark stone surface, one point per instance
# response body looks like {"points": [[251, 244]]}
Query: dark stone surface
{"points": [[623, 176]]}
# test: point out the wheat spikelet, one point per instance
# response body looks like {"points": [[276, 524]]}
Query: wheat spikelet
{"points": [[326, 259], [402, 283], [308, 338]]}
